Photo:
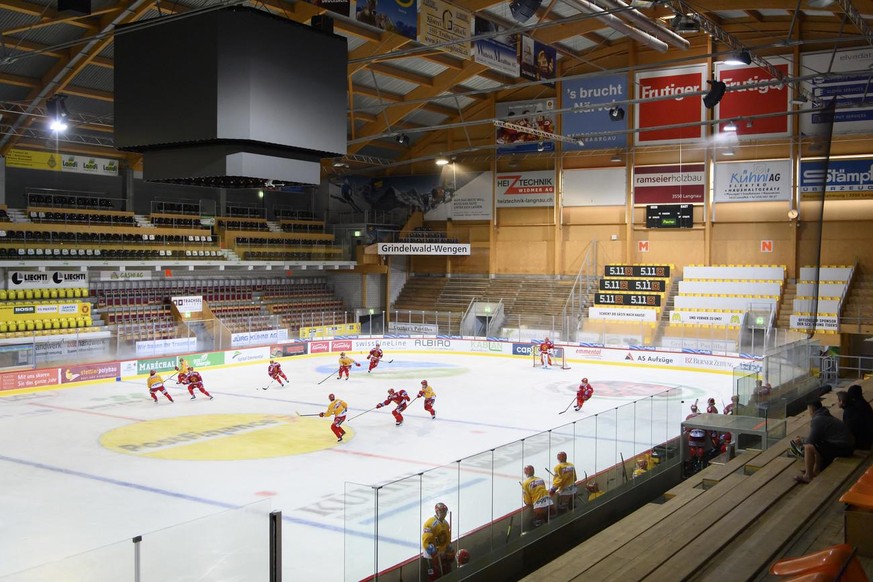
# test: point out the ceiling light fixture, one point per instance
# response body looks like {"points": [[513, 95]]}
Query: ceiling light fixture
{"points": [[616, 114], [730, 126], [402, 139], [711, 99], [616, 158], [441, 162], [741, 57], [56, 110], [523, 10], [800, 99], [728, 152]]}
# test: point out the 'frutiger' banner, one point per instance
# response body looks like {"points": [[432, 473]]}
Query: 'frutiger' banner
{"points": [[673, 110], [752, 102]]}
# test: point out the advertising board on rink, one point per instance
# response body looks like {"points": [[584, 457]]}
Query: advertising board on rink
{"points": [[623, 314], [728, 318], [662, 103], [29, 379]]}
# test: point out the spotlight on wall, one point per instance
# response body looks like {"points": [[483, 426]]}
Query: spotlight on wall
{"points": [[523, 10], [681, 23], [616, 158], [541, 146], [402, 139], [741, 57], [56, 110], [730, 126], [616, 114], [728, 152], [711, 99], [800, 99], [441, 161]]}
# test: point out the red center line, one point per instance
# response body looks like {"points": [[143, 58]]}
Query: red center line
{"points": [[87, 412], [417, 462]]}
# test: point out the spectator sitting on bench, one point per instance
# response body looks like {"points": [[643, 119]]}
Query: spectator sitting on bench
{"points": [[858, 419], [828, 439]]}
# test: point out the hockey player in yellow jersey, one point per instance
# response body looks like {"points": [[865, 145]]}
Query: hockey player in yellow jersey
{"points": [[182, 368], [536, 497], [429, 396], [345, 364], [156, 384], [564, 483], [436, 539], [337, 409]]}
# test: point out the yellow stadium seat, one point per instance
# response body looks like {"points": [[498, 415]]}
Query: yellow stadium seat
{"points": [[3, 294], [53, 294], [62, 293], [80, 322], [65, 323], [56, 324], [28, 293], [84, 291], [38, 324], [3, 327], [29, 326], [77, 292], [88, 321]]}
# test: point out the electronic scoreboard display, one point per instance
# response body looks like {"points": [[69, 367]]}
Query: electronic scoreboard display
{"points": [[669, 216], [646, 285], [628, 299], [660, 271]]}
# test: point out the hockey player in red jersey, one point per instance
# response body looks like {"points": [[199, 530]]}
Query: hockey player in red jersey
{"points": [[194, 380], [274, 370], [375, 356], [429, 396], [546, 349], [583, 393], [337, 408], [711, 408], [401, 399], [696, 441]]}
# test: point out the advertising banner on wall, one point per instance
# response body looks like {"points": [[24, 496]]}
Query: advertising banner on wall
{"points": [[188, 303], [251, 338], [594, 187], [46, 279], [729, 318], [761, 181], [845, 179], [851, 89], [623, 314], [499, 52], [57, 162], [537, 114], [166, 346], [440, 22], [524, 189], [769, 99], [343, 7], [434, 249], [678, 184], [669, 107], [826, 323], [537, 60], [603, 91], [397, 16], [471, 201]]}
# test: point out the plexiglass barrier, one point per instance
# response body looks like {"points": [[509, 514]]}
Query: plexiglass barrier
{"points": [[383, 525], [232, 545]]}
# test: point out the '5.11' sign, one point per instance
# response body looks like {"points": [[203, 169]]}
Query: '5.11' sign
{"points": [[660, 271], [627, 299]]}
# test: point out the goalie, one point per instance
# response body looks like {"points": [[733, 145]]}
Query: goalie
{"points": [[547, 349]]}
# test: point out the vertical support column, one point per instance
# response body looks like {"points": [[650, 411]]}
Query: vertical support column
{"points": [[629, 161], [707, 166], [137, 561], [275, 546], [3, 181], [127, 189]]}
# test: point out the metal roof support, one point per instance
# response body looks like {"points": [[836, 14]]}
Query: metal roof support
{"points": [[856, 19], [644, 23], [619, 25]]}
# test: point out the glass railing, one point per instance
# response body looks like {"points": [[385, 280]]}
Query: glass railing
{"points": [[483, 491], [231, 545]]}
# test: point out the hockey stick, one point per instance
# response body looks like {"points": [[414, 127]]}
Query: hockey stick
{"points": [[549, 472], [268, 385], [298, 414], [362, 414], [623, 468], [326, 379], [509, 529], [568, 406]]}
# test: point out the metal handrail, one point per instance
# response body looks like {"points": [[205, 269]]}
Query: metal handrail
{"points": [[572, 309], [497, 320]]}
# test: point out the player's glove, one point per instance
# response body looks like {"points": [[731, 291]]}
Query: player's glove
{"points": [[430, 550], [450, 554], [380, 405], [553, 490], [177, 368], [420, 394], [321, 414], [357, 364]]}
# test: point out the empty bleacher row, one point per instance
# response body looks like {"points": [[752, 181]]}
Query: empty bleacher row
{"points": [[175, 221], [314, 226], [250, 224], [423, 234], [100, 217], [117, 293], [10, 295], [823, 291], [63, 199], [106, 254], [47, 325]]}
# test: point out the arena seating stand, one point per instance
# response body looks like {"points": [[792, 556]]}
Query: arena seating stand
{"points": [[47, 324]]}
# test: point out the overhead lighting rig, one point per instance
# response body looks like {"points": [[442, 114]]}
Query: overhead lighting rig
{"points": [[538, 132]]}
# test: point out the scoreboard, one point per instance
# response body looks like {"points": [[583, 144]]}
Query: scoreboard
{"points": [[627, 299], [659, 271], [649, 285], [669, 216]]}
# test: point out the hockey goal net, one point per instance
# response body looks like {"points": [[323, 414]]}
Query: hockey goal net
{"points": [[558, 357]]}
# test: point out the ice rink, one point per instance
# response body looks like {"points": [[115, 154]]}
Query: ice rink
{"points": [[95, 465]]}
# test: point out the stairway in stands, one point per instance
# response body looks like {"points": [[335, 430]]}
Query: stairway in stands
{"points": [[274, 226], [858, 307], [17, 215]]}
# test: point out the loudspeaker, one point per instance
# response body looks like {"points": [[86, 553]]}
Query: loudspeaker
{"points": [[74, 6], [322, 22]]}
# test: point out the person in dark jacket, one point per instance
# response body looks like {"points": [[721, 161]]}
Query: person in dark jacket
{"points": [[856, 394], [828, 439], [858, 419]]}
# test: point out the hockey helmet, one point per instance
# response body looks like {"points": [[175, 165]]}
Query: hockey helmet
{"points": [[562, 457], [424, 382], [529, 471], [378, 344], [693, 408], [592, 486], [152, 373], [190, 368], [342, 353], [441, 510], [331, 397], [711, 401], [584, 380], [463, 557], [391, 391]]}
